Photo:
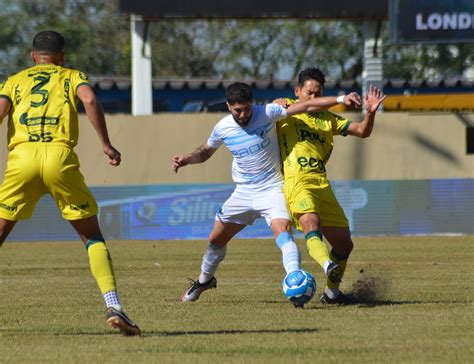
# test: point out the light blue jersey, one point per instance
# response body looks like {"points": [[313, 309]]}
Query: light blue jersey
{"points": [[256, 162]]}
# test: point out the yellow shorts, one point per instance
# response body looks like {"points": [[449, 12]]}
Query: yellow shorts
{"points": [[34, 170], [313, 195]]}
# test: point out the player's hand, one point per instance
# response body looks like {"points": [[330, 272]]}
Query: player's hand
{"points": [[177, 162], [281, 102], [113, 154], [352, 99], [373, 99]]}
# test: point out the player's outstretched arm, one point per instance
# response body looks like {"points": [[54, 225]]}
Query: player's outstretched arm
{"points": [[372, 101], [96, 116], [200, 155], [323, 103]]}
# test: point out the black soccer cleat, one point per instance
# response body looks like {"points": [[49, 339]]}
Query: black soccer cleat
{"points": [[196, 288], [119, 320], [341, 300], [298, 305]]}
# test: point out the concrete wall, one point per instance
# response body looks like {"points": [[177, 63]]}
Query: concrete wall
{"points": [[402, 146]]}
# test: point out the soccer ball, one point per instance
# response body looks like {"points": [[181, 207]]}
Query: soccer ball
{"points": [[299, 286]]}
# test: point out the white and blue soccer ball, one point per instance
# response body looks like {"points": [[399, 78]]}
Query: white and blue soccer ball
{"points": [[299, 286]]}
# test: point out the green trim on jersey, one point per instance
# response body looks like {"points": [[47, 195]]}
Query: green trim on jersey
{"points": [[344, 130], [82, 84], [6, 98]]}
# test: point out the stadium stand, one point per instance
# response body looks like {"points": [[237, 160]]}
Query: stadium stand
{"points": [[175, 95]]}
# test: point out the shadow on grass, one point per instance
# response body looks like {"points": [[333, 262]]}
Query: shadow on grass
{"points": [[289, 304], [230, 332], [13, 332], [358, 300], [23, 332], [377, 303]]}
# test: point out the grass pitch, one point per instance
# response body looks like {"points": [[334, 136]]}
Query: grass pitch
{"points": [[416, 296]]}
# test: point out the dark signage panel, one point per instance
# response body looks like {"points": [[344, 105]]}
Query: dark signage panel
{"points": [[432, 21], [183, 9]]}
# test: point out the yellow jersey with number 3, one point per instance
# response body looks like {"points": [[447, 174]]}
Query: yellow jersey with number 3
{"points": [[306, 142], [43, 105]]}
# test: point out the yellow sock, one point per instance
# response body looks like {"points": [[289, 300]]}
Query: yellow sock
{"points": [[316, 247], [342, 261], [101, 265]]}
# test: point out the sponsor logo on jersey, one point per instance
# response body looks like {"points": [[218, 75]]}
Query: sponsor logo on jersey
{"points": [[313, 163], [83, 206], [38, 120], [305, 134], [8, 207]]}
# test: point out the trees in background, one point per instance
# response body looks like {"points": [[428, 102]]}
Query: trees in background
{"points": [[98, 41], [97, 38]]}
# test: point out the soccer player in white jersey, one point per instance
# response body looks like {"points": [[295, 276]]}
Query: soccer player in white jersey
{"points": [[249, 134]]}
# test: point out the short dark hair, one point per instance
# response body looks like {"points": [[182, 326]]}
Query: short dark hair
{"points": [[238, 92], [48, 41], [311, 73]]}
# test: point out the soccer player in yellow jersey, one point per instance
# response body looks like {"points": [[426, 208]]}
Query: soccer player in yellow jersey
{"points": [[41, 104], [306, 143]]}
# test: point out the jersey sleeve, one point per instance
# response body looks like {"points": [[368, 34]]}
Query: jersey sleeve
{"points": [[79, 79], [215, 139], [275, 112], [339, 125]]}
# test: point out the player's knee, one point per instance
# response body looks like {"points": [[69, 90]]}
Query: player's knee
{"points": [[217, 241], [310, 221]]}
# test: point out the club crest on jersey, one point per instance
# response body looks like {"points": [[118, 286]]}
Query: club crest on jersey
{"points": [[261, 132]]}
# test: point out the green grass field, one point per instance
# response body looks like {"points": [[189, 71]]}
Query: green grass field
{"points": [[417, 306]]}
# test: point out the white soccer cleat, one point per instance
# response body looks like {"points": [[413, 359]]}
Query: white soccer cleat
{"points": [[196, 288]]}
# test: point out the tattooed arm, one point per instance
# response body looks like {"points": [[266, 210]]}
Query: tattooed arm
{"points": [[200, 155]]}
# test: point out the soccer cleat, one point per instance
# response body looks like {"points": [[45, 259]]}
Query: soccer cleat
{"points": [[298, 305], [119, 320], [341, 299], [334, 272], [196, 288]]}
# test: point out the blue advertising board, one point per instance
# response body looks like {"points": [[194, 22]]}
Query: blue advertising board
{"points": [[159, 212]]}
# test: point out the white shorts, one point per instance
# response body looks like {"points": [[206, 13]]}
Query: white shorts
{"points": [[244, 206]]}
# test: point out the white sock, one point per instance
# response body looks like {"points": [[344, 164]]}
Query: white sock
{"points": [[210, 261], [289, 252], [326, 265], [112, 300], [332, 293]]}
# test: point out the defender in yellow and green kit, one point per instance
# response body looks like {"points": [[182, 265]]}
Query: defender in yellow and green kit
{"points": [[306, 144], [41, 104]]}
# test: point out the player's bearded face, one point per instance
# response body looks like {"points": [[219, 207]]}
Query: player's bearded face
{"points": [[242, 113], [310, 90]]}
